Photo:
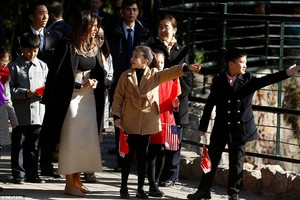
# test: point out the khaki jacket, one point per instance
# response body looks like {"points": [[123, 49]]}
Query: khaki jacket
{"points": [[138, 105]]}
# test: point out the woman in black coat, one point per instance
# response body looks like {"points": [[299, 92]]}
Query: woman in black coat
{"points": [[74, 84]]}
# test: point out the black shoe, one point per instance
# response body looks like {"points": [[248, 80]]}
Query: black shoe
{"points": [[90, 178], [199, 195], [141, 194], [19, 181], [51, 173], [234, 197], [118, 169], [155, 192], [35, 180], [124, 193], [167, 183]]}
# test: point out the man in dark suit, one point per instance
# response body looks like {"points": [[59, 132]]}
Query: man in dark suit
{"points": [[231, 93], [118, 37], [38, 16], [56, 21]]}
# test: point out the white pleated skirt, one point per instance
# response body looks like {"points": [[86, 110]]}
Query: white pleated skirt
{"points": [[79, 148]]}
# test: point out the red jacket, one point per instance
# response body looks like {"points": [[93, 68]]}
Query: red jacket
{"points": [[168, 91]]}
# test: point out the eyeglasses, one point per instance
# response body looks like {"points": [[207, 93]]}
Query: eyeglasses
{"points": [[165, 28]]}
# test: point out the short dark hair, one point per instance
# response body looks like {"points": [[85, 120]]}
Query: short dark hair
{"points": [[233, 54], [56, 8], [29, 40], [33, 5], [130, 3]]}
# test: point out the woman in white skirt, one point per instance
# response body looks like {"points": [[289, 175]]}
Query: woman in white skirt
{"points": [[74, 85]]}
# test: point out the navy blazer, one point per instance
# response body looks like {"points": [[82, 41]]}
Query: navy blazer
{"points": [[234, 121]]}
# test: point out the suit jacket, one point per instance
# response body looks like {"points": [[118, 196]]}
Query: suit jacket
{"points": [[234, 121], [119, 47], [138, 105], [62, 28], [51, 39], [59, 89], [186, 82]]}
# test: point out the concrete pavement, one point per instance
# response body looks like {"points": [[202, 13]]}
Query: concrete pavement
{"points": [[107, 188]]}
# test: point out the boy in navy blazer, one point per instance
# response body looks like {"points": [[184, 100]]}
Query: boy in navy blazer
{"points": [[231, 93]]}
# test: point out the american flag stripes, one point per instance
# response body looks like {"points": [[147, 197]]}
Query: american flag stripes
{"points": [[172, 136]]}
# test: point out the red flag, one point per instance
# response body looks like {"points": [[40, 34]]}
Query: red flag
{"points": [[40, 90], [205, 161], [176, 89], [123, 145]]}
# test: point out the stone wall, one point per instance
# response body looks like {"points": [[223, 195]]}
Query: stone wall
{"points": [[267, 180]]}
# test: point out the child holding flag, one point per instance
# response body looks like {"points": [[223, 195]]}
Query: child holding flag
{"points": [[136, 109]]}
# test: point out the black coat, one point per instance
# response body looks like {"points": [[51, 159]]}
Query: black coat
{"points": [[234, 121], [171, 59], [119, 46], [59, 89]]}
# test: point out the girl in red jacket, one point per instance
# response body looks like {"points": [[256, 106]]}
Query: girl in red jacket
{"points": [[168, 102]]}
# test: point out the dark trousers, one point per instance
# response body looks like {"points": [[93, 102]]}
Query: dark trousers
{"points": [[172, 163], [25, 151], [156, 161], [47, 149], [236, 162], [138, 146]]}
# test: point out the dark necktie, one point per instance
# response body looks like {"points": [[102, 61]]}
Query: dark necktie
{"points": [[41, 42], [130, 46]]}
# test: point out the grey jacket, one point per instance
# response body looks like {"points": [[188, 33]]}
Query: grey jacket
{"points": [[29, 111]]}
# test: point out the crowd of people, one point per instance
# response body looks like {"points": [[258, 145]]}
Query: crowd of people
{"points": [[66, 79]]}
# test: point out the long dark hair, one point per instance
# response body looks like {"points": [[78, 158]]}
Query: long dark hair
{"points": [[105, 47], [80, 33]]}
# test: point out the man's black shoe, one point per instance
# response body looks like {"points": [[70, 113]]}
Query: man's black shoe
{"points": [[141, 194], [199, 195], [52, 173], [167, 183], [35, 180], [234, 197], [19, 181], [124, 193], [118, 169]]}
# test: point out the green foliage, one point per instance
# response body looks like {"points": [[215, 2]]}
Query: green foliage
{"points": [[199, 56]]}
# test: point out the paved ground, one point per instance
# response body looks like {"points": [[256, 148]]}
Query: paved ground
{"points": [[107, 188]]}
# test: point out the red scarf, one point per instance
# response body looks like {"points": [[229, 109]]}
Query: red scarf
{"points": [[4, 75]]}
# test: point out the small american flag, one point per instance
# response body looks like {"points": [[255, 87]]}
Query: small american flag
{"points": [[172, 136]]}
